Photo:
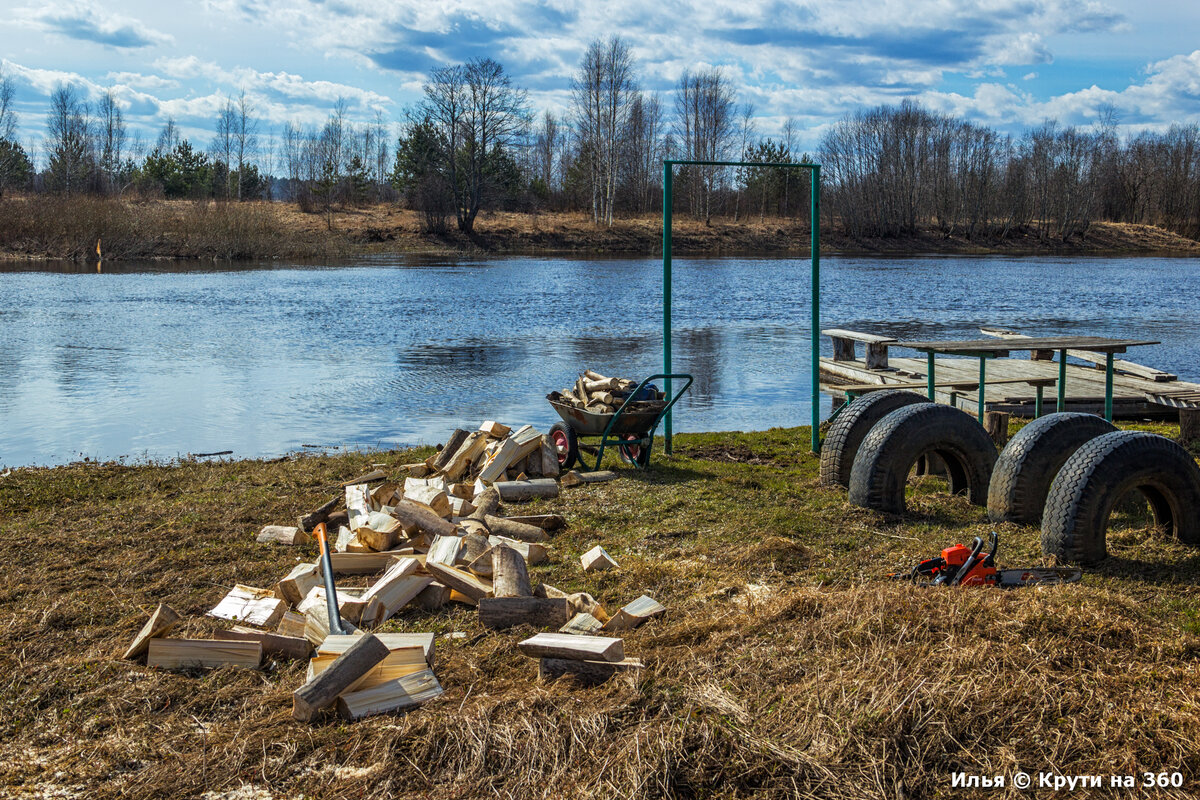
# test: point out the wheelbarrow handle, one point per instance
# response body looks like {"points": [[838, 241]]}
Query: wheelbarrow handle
{"points": [[638, 391]]}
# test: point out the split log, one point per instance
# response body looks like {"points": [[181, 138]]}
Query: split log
{"points": [[500, 526], [1189, 424], [160, 623], [189, 653], [384, 494], [351, 665], [634, 614], [547, 522], [481, 565], [421, 468], [337, 520], [586, 671], [248, 604], [297, 583], [510, 577], [389, 669], [309, 521], [357, 563], [550, 465], [458, 597], [432, 496], [460, 507], [514, 449], [488, 502], [336, 645], [465, 456], [474, 545], [380, 532], [474, 527], [282, 534], [464, 490], [532, 552], [495, 429], [578, 648], [422, 519], [444, 550], [546, 590], [358, 505], [516, 491], [584, 603], [433, 597], [403, 693], [507, 612], [397, 588], [461, 581], [373, 476], [316, 624], [287, 646], [457, 437], [346, 539], [292, 623], [577, 478], [597, 559], [582, 624], [996, 425]]}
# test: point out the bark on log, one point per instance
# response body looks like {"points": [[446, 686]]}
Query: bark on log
{"points": [[1189, 424], [309, 521], [506, 612], [487, 503], [499, 526], [423, 520], [457, 437], [547, 522], [516, 491], [323, 690], [577, 478], [510, 576], [585, 671]]}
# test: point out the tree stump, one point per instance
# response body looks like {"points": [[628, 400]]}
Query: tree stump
{"points": [[996, 425]]}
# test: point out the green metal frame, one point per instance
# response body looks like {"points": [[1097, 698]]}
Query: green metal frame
{"points": [[815, 254], [646, 440]]}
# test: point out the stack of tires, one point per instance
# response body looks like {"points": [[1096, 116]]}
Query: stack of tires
{"points": [[1065, 471]]}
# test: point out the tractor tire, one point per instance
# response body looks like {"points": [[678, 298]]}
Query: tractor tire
{"points": [[1083, 494], [847, 431], [892, 448], [566, 445], [1028, 464]]}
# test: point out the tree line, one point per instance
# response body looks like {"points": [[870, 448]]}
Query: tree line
{"points": [[473, 143]]}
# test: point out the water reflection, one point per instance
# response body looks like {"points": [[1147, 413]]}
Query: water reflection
{"points": [[167, 358]]}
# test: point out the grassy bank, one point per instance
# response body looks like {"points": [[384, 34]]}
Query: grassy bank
{"points": [[786, 666], [68, 228]]}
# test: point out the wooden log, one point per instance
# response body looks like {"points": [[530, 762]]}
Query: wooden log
{"points": [[458, 597], [584, 603], [481, 565], [499, 526], [460, 507], [308, 522], [546, 590], [510, 577], [582, 624], [282, 534], [358, 505], [634, 614], [431, 496], [292, 623], [421, 468], [398, 587], [277, 644], [550, 465], [507, 612], [316, 624], [486, 503], [577, 648], [597, 559], [461, 581], [189, 653], [403, 693], [996, 425], [1189, 424], [444, 550], [495, 429], [323, 690], [422, 519], [357, 563], [547, 522], [577, 478], [374, 476], [249, 604], [160, 623], [381, 531], [457, 437], [336, 645], [297, 583], [464, 490], [587, 671], [474, 545], [389, 669], [532, 552], [465, 456], [433, 597], [516, 491]]}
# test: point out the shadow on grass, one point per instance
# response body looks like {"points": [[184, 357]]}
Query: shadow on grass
{"points": [[1175, 572]]}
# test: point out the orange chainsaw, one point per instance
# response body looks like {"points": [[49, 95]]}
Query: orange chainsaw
{"points": [[969, 566]]}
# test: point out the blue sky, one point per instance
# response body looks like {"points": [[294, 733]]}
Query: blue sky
{"points": [[1006, 63]]}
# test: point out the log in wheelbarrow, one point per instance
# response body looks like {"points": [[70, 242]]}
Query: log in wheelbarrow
{"points": [[630, 428]]}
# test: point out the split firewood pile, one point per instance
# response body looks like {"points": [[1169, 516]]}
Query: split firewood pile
{"points": [[425, 541], [598, 394]]}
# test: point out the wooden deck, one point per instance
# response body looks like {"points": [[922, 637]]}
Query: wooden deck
{"points": [[1134, 396]]}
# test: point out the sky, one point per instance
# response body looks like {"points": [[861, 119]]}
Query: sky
{"points": [[1010, 64]]}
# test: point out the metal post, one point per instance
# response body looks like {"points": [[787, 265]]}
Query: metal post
{"points": [[815, 248], [1108, 386], [982, 384], [668, 169], [929, 377], [1037, 404], [1062, 381]]}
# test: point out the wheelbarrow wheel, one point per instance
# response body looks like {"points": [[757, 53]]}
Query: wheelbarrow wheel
{"points": [[633, 454], [566, 445]]}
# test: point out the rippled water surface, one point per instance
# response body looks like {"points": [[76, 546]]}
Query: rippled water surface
{"points": [[158, 361]]}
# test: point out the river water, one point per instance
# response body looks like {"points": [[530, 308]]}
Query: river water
{"points": [[154, 361]]}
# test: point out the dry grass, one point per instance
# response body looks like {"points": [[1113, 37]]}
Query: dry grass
{"points": [[47, 226], [787, 665]]}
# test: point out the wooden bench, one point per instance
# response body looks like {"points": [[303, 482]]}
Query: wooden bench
{"points": [[853, 390], [844, 347]]}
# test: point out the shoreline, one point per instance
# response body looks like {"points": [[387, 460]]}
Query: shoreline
{"points": [[37, 229]]}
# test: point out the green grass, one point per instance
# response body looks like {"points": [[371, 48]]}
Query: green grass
{"points": [[787, 665]]}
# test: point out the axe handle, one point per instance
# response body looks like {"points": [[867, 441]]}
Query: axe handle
{"points": [[331, 602]]}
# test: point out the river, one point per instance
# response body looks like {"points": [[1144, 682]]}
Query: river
{"points": [[154, 361]]}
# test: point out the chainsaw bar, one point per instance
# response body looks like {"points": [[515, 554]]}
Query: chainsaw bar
{"points": [[1039, 576]]}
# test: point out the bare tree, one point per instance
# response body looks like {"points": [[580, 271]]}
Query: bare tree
{"points": [[8, 112], [112, 136], [705, 102], [68, 142], [245, 138], [223, 144], [168, 137], [603, 93]]}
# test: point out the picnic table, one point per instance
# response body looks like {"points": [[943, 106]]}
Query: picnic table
{"points": [[983, 349]]}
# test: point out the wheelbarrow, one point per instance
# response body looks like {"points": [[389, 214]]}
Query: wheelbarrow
{"points": [[630, 428]]}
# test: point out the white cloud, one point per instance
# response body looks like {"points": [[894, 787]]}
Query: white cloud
{"points": [[86, 21]]}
